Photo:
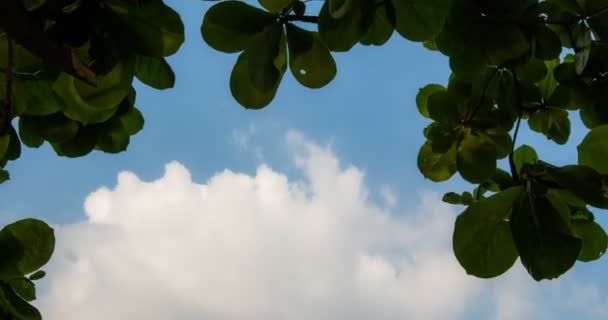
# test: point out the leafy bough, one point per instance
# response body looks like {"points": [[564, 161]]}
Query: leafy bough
{"points": [[512, 62]]}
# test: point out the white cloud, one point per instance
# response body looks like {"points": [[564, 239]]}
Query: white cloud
{"points": [[262, 247]]}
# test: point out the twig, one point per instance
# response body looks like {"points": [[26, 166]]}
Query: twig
{"points": [[512, 166], [482, 97]]}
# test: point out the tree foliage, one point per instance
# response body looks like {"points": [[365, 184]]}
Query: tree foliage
{"points": [[67, 67]]}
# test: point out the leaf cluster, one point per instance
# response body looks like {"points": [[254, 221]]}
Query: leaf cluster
{"points": [[529, 61], [25, 246], [67, 69]]}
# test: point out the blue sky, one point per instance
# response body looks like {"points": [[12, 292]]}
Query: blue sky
{"points": [[367, 116]]}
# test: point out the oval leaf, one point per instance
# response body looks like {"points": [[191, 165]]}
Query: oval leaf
{"points": [[437, 166], [25, 246], [594, 238], [476, 159], [482, 239], [229, 25], [420, 20], [310, 61], [593, 151]]}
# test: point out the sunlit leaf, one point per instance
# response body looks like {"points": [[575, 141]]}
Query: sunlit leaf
{"points": [[434, 166]]}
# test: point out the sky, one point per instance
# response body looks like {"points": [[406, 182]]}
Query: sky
{"points": [[312, 208]]}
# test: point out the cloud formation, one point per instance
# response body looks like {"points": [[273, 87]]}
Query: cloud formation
{"points": [[262, 247]]}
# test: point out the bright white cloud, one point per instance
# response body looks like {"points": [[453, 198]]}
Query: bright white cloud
{"points": [[262, 247]]}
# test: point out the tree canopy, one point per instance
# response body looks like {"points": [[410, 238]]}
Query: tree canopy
{"points": [[67, 69]]}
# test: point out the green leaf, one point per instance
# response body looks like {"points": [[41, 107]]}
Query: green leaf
{"points": [[36, 97], [553, 123], [542, 238], [548, 84], [522, 156], [54, 128], [29, 135], [4, 176], [81, 144], [434, 166], [571, 95], [14, 147], [583, 181], [299, 8], [338, 8], [243, 90], [482, 239], [568, 197], [154, 72], [505, 42], [343, 33], [548, 46], [310, 61], [276, 6], [16, 306], [594, 239], [37, 275], [89, 104], [382, 26], [112, 137], [5, 141], [24, 287], [476, 158], [442, 107], [151, 27], [532, 71], [440, 137], [582, 42], [593, 150], [452, 198], [25, 246], [132, 120], [423, 97], [502, 141], [420, 20], [560, 206], [594, 114], [31, 5], [263, 52], [229, 25], [501, 180]]}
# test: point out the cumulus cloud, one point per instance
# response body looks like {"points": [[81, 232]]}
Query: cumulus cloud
{"points": [[261, 247]]}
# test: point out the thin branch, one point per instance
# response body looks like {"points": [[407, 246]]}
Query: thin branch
{"points": [[516, 133], [511, 159], [482, 97]]}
